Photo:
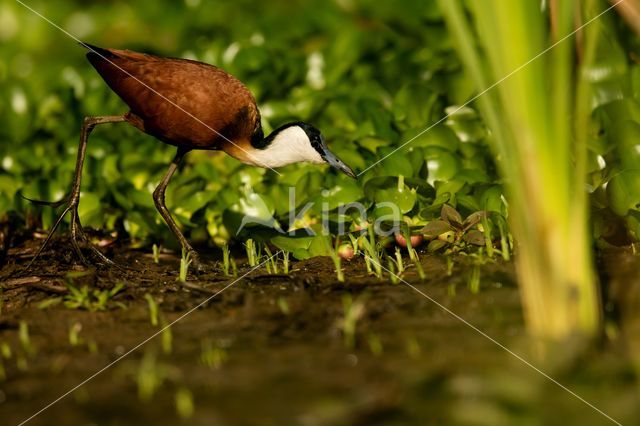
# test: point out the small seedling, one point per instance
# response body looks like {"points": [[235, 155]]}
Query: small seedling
{"points": [[506, 242], [337, 260], [399, 262], [413, 347], [21, 363], [283, 305], [449, 265], [393, 276], [5, 350], [153, 309], [25, 339], [184, 403], [272, 261], [91, 300], [451, 290], [150, 377], [285, 262], [5, 353], [156, 253], [234, 268], [474, 279], [185, 261], [371, 253], [167, 339], [74, 334], [47, 303], [226, 260], [212, 356], [353, 311], [375, 344], [253, 252], [413, 254]]}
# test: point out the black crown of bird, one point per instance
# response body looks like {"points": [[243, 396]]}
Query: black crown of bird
{"points": [[192, 106]]}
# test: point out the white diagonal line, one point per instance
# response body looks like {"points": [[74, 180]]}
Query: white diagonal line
{"points": [[500, 345], [181, 317], [147, 86], [545, 51]]}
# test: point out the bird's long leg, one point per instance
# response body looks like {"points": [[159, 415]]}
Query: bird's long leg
{"points": [[158, 198], [88, 125]]}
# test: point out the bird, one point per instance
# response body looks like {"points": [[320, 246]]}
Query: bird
{"points": [[190, 105]]}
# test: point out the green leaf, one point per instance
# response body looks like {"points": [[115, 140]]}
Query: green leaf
{"points": [[435, 228], [623, 191]]}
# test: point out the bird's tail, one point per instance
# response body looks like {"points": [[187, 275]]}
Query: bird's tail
{"points": [[98, 51]]}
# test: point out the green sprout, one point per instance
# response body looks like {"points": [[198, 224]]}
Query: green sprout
{"points": [[25, 339], [353, 311], [156, 253], [285, 262], [185, 261], [47, 303], [74, 334], [371, 254], [393, 270], [167, 339], [153, 309], [5, 350], [283, 305], [150, 377], [337, 260], [226, 259], [474, 279], [399, 262], [90, 299], [271, 262], [253, 252], [375, 344], [5, 353], [413, 254], [211, 355], [450, 265], [184, 403], [413, 347]]}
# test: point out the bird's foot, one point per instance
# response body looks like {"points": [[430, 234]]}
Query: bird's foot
{"points": [[77, 235]]}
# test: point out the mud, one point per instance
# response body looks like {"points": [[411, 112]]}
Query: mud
{"points": [[275, 350]]}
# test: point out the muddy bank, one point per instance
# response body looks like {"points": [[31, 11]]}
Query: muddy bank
{"points": [[281, 349]]}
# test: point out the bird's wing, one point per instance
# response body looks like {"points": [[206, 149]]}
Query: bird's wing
{"points": [[179, 101]]}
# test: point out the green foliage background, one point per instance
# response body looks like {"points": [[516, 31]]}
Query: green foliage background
{"points": [[371, 75]]}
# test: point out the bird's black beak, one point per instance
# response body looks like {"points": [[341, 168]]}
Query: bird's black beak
{"points": [[337, 163]]}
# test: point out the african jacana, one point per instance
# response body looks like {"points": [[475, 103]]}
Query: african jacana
{"points": [[190, 105]]}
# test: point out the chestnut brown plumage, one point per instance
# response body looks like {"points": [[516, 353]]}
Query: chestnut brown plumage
{"points": [[190, 105]]}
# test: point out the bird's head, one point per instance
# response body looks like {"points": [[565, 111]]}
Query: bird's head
{"points": [[294, 143]]}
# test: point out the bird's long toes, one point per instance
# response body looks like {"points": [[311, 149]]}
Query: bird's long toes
{"points": [[45, 203]]}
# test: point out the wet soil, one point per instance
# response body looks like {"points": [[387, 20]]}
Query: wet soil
{"points": [[266, 349]]}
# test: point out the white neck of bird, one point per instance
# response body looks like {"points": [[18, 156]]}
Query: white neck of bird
{"points": [[290, 145]]}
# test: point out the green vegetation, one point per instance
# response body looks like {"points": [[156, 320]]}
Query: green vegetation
{"points": [[552, 126], [565, 121], [185, 262], [354, 309], [91, 299]]}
